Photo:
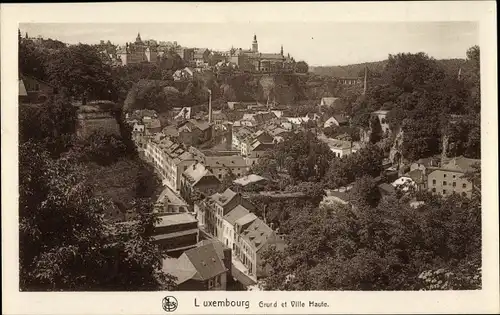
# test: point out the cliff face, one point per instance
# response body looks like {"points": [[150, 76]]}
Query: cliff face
{"points": [[396, 152]]}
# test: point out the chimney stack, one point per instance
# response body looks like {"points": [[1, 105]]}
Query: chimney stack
{"points": [[209, 106]]}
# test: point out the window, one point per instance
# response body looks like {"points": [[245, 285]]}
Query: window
{"points": [[433, 189], [464, 185], [454, 184], [444, 183], [210, 284], [433, 182], [444, 191], [220, 176], [454, 176], [217, 280], [444, 175]]}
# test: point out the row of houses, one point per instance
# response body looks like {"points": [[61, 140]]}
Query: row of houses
{"points": [[229, 217], [444, 177]]}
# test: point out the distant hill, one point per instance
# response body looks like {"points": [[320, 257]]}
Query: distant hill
{"points": [[348, 70], [451, 66]]}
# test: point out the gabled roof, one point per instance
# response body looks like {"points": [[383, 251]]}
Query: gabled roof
{"points": [[237, 213], [224, 198], [219, 247], [257, 233], [417, 175], [261, 146], [206, 261], [246, 219], [461, 164], [196, 172], [200, 124], [340, 119]]}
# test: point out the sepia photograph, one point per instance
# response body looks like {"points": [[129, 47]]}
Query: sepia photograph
{"points": [[249, 156], [161, 164]]}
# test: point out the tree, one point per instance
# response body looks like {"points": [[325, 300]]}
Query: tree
{"points": [[303, 156], [100, 148], [80, 70], [387, 247], [32, 59], [375, 130], [51, 123], [365, 162], [301, 67], [147, 182], [65, 244], [365, 191]]}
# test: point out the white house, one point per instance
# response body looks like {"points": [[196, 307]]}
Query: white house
{"points": [[183, 74], [336, 120], [228, 225]]}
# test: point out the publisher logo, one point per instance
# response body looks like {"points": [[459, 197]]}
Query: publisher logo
{"points": [[169, 303]]}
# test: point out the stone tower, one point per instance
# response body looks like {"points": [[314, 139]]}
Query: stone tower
{"points": [[255, 45], [282, 50]]}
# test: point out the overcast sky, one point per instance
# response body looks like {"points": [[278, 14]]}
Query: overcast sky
{"points": [[322, 43]]}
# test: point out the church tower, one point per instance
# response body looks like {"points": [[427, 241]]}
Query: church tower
{"points": [[282, 50], [255, 45]]}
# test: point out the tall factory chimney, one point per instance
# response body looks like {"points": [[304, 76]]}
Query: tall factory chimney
{"points": [[209, 106]]}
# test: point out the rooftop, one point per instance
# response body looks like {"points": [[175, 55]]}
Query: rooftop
{"points": [[175, 219], [206, 261], [247, 218], [462, 164], [196, 172], [248, 179], [225, 161], [237, 213], [199, 263], [257, 233], [224, 198]]}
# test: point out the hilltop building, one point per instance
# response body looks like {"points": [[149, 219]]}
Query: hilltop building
{"points": [[138, 52], [253, 60]]}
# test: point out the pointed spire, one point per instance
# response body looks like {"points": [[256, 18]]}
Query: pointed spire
{"points": [[282, 49], [254, 37]]}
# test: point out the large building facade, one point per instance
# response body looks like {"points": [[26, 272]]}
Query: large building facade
{"points": [[138, 52], [253, 60]]}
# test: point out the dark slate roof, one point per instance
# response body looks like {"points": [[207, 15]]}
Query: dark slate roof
{"points": [[238, 212], [206, 261]]}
